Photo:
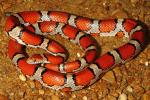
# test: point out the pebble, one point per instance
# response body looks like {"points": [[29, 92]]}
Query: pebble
{"points": [[22, 77], [78, 55], [111, 97], [122, 96], [40, 98], [141, 61], [146, 97], [134, 1], [73, 96], [11, 94], [119, 14], [84, 98], [129, 89], [117, 70], [54, 97], [146, 64], [21, 93], [70, 98], [41, 91], [32, 84], [109, 76], [131, 97]]}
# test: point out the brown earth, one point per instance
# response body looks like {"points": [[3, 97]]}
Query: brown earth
{"points": [[130, 81]]}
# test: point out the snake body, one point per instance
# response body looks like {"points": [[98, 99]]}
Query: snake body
{"points": [[51, 69]]}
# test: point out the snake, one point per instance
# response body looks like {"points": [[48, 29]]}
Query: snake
{"points": [[51, 69]]}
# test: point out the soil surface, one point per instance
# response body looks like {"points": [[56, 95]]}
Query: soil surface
{"points": [[129, 81]]}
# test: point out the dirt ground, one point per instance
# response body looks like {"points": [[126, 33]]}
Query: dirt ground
{"points": [[130, 81]]}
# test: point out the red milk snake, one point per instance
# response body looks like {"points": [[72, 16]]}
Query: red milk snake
{"points": [[51, 69]]}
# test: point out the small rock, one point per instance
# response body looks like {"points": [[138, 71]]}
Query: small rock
{"points": [[131, 97], [129, 89], [141, 61], [111, 97], [109, 76], [78, 55], [21, 93], [40, 98], [22, 77], [70, 98], [122, 96], [73, 96], [84, 98], [146, 64], [54, 97], [117, 70], [32, 84], [11, 94], [41, 91], [134, 1], [146, 97], [119, 14]]}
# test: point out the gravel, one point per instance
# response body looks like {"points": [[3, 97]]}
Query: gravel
{"points": [[130, 81]]}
